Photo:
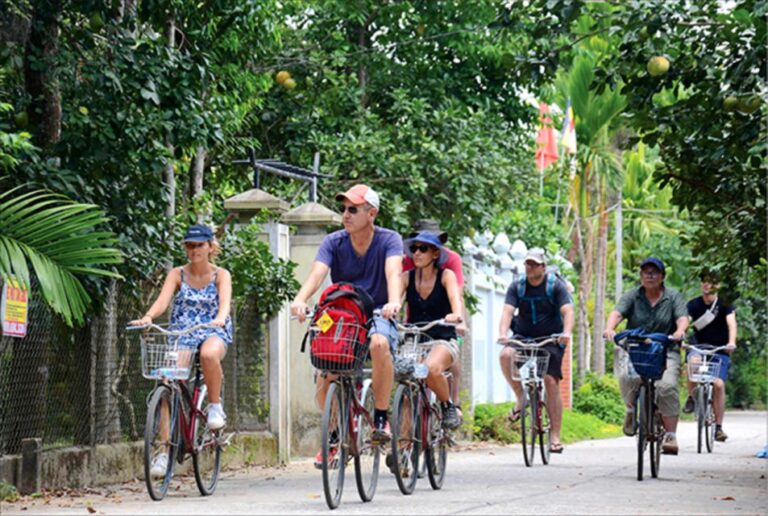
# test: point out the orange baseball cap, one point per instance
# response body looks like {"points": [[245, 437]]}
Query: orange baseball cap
{"points": [[360, 194]]}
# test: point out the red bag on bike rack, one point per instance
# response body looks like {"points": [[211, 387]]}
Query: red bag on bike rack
{"points": [[339, 329]]}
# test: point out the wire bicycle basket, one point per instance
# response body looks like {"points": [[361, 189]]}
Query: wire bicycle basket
{"points": [[341, 349], [703, 368], [529, 364]]}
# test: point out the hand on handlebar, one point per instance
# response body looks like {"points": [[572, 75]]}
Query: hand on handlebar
{"points": [[144, 321], [609, 334], [390, 310], [299, 310], [679, 336], [729, 348]]}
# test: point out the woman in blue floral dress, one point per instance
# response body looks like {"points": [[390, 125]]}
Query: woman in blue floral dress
{"points": [[203, 295]]}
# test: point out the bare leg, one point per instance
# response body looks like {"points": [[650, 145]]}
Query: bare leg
{"points": [[456, 373], [211, 353], [554, 406], [439, 360], [718, 400], [383, 370], [505, 358]]}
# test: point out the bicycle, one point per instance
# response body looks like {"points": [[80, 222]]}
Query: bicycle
{"points": [[529, 366], [417, 418], [646, 358], [704, 369], [347, 423], [176, 422]]}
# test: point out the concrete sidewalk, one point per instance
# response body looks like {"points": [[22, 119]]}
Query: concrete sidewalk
{"points": [[592, 477]]}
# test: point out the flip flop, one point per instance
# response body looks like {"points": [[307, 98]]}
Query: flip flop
{"points": [[556, 448], [514, 415]]}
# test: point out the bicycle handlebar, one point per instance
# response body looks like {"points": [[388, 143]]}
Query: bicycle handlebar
{"points": [[709, 350], [172, 333], [529, 343]]}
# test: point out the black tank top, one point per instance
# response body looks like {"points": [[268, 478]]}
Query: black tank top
{"points": [[435, 306]]}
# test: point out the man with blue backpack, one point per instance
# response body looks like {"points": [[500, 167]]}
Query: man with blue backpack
{"points": [[544, 307]]}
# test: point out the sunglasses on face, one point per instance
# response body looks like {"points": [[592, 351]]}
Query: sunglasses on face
{"points": [[193, 245], [351, 209], [421, 247], [651, 274]]}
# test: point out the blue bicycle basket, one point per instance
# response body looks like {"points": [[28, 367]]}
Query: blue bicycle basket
{"points": [[649, 360]]}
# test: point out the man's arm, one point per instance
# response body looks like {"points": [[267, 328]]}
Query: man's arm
{"points": [[393, 268], [681, 324], [566, 311], [314, 280], [507, 313], [730, 320], [614, 318]]}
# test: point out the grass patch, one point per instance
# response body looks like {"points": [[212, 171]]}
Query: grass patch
{"points": [[490, 424]]}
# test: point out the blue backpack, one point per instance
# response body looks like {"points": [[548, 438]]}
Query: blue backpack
{"points": [[550, 280]]}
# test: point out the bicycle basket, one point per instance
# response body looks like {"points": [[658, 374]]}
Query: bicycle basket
{"points": [[343, 348], [411, 355], [649, 360], [161, 359], [703, 368], [529, 364]]}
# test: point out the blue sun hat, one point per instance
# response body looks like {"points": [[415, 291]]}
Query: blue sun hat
{"points": [[430, 238]]}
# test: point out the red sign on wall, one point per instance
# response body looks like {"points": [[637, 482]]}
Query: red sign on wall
{"points": [[13, 309]]}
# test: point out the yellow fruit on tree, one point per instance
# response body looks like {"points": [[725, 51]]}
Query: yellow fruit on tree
{"points": [[289, 84], [21, 119], [748, 104], [658, 65], [282, 76], [730, 103]]}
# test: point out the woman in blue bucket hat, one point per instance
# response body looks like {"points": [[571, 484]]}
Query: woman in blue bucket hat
{"points": [[433, 293]]}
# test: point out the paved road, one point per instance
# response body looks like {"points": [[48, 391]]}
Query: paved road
{"points": [[595, 477]]}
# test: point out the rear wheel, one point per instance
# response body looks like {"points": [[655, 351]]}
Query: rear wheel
{"points": [[160, 442], [709, 420], [642, 428], [545, 436], [334, 451], [206, 455], [405, 439], [528, 426], [437, 447], [368, 456]]}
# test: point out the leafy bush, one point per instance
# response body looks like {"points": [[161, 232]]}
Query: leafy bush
{"points": [[490, 423], [600, 396]]}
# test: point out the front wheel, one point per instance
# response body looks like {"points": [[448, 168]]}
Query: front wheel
{"points": [[701, 416], [545, 435], [528, 425], [642, 428], [206, 453], [709, 421], [334, 451], [406, 447], [160, 442], [655, 442], [436, 446], [367, 454]]}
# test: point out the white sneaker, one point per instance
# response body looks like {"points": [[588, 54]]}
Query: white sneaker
{"points": [[216, 416], [159, 465]]}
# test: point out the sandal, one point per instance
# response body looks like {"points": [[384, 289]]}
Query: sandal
{"points": [[514, 415], [556, 448]]}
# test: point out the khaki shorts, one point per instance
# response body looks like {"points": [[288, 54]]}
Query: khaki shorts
{"points": [[451, 345]]}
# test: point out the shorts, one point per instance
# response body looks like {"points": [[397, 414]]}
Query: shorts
{"points": [[451, 345], [725, 362], [386, 327], [555, 367]]}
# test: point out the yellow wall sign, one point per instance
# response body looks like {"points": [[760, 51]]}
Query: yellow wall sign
{"points": [[13, 309]]}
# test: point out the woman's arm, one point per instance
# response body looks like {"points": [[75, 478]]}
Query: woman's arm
{"points": [[454, 296], [224, 286], [172, 282], [404, 280]]}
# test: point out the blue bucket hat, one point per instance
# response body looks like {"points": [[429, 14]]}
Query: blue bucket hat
{"points": [[427, 237], [651, 260], [198, 233]]}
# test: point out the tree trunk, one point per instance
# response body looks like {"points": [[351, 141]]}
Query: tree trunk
{"points": [[169, 177], [40, 75], [598, 362], [104, 334], [198, 169], [619, 232]]}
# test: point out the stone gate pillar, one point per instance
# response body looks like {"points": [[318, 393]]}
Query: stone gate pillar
{"points": [[311, 221]]}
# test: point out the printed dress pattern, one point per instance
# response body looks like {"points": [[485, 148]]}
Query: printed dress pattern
{"points": [[194, 306]]}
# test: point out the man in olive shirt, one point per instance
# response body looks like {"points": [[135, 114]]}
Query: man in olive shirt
{"points": [[657, 309]]}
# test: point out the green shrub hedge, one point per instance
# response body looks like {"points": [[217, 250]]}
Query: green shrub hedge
{"points": [[600, 396]]}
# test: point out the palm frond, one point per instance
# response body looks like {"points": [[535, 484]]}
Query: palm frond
{"points": [[59, 238]]}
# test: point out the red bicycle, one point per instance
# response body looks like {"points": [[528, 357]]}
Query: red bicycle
{"points": [[176, 426]]}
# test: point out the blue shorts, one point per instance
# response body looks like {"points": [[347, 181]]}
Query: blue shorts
{"points": [[386, 327], [725, 362]]}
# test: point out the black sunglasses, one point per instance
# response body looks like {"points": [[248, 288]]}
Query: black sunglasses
{"points": [[423, 248], [351, 209]]}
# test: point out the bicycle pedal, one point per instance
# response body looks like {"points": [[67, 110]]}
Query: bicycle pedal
{"points": [[225, 440]]}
